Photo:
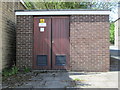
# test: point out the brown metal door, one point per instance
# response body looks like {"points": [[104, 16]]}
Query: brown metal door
{"points": [[60, 42], [51, 45], [42, 44]]}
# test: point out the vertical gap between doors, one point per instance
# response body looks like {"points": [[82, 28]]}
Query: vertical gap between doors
{"points": [[51, 42]]}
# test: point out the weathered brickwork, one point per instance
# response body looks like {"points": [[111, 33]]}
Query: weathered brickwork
{"points": [[24, 44], [89, 43], [90, 18], [7, 33]]}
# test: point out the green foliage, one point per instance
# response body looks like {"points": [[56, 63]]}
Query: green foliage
{"points": [[26, 69], [14, 70], [8, 72], [112, 27], [77, 79], [55, 5], [29, 5], [37, 4]]}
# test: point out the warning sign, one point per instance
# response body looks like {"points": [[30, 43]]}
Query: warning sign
{"points": [[42, 20]]}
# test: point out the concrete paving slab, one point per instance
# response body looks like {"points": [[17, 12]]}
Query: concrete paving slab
{"points": [[74, 79]]}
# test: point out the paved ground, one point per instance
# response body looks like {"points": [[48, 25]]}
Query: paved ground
{"points": [[61, 79], [98, 80], [77, 79], [73, 79]]}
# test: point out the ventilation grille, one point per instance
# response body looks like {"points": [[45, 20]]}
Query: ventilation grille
{"points": [[41, 60], [60, 60]]}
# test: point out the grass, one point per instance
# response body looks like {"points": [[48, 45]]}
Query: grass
{"points": [[14, 70], [77, 79]]}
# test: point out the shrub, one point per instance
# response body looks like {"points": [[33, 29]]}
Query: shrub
{"points": [[112, 27], [8, 72], [26, 69]]}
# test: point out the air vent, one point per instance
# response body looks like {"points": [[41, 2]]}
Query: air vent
{"points": [[61, 60], [41, 60]]}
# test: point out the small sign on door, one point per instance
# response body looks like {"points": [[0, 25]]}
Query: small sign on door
{"points": [[42, 24], [42, 29]]}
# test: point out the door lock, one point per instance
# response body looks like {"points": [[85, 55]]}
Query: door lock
{"points": [[52, 41]]}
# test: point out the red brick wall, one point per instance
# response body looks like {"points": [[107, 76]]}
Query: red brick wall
{"points": [[24, 41], [89, 43]]}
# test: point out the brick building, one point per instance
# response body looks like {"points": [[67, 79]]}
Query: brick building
{"points": [[63, 39], [7, 32]]}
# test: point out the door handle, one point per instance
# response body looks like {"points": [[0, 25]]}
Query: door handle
{"points": [[52, 41]]}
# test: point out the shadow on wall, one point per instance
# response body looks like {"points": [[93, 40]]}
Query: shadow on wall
{"points": [[9, 43]]}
